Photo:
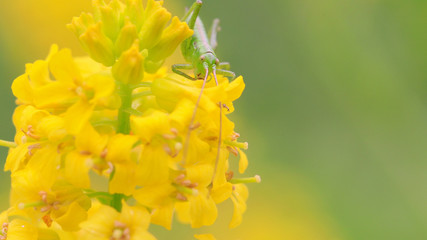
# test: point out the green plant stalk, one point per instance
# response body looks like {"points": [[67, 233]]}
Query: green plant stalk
{"points": [[123, 126], [125, 92]]}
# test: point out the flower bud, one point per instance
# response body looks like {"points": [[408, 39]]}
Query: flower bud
{"points": [[172, 36], [79, 24], [129, 69], [99, 46], [126, 37], [110, 17], [153, 28]]}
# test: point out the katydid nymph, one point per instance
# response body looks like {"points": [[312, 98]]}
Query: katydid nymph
{"points": [[198, 51]]}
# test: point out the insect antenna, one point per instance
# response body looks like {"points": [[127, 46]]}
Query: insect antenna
{"points": [[220, 131], [191, 127]]}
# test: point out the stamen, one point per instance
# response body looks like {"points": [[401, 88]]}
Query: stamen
{"points": [[167, 149], [235, 136], [233, 150], [169, 136], [195, 126], [174, 131], [225, 106], [181, 197], [85, 152], [34, 146], [186, 182], [119, 224], [104, 153], [45, 209], [229, 175], [179, 178]]}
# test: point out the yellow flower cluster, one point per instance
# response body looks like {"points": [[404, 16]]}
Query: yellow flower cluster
{"points": [[119, 118]]}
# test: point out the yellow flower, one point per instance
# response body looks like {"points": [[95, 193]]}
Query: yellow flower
{"points": [[71, 93], [34, 128], [199, 210], [160, 199], [17, 225], [158, 148], [37, 186], [105, 223], [88, 154]]}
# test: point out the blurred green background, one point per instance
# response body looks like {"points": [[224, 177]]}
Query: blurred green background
{"points": [[335, 110]]}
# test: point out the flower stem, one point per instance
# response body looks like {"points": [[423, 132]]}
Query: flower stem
{"points": [[123, 126], [125, 92]]}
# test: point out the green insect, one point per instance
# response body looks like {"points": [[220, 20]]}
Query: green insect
{"points": [[198, 51]]}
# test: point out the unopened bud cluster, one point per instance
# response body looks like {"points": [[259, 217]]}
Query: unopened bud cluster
{"points": [[119, 118]]}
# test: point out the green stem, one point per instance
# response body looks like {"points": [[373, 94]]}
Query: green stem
{"points": [[125, 92], [8, 144], [123, 126]]}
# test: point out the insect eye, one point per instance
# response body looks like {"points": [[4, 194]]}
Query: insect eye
{"points": [[202, 58], [217, 61]]}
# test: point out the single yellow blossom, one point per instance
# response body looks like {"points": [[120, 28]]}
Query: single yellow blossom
{"points": [[17, 225], [89, 153], [105, 223]]}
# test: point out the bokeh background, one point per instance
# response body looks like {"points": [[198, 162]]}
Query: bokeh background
{"points": [[335, 110]]}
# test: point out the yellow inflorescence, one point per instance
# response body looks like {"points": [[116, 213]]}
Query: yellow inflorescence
{"points": [[119, 114]]}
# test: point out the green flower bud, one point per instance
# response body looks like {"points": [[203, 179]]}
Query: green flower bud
{"points": [[153, 28], [129, 68], [99, 46], [126, 37], [172, 36]]}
